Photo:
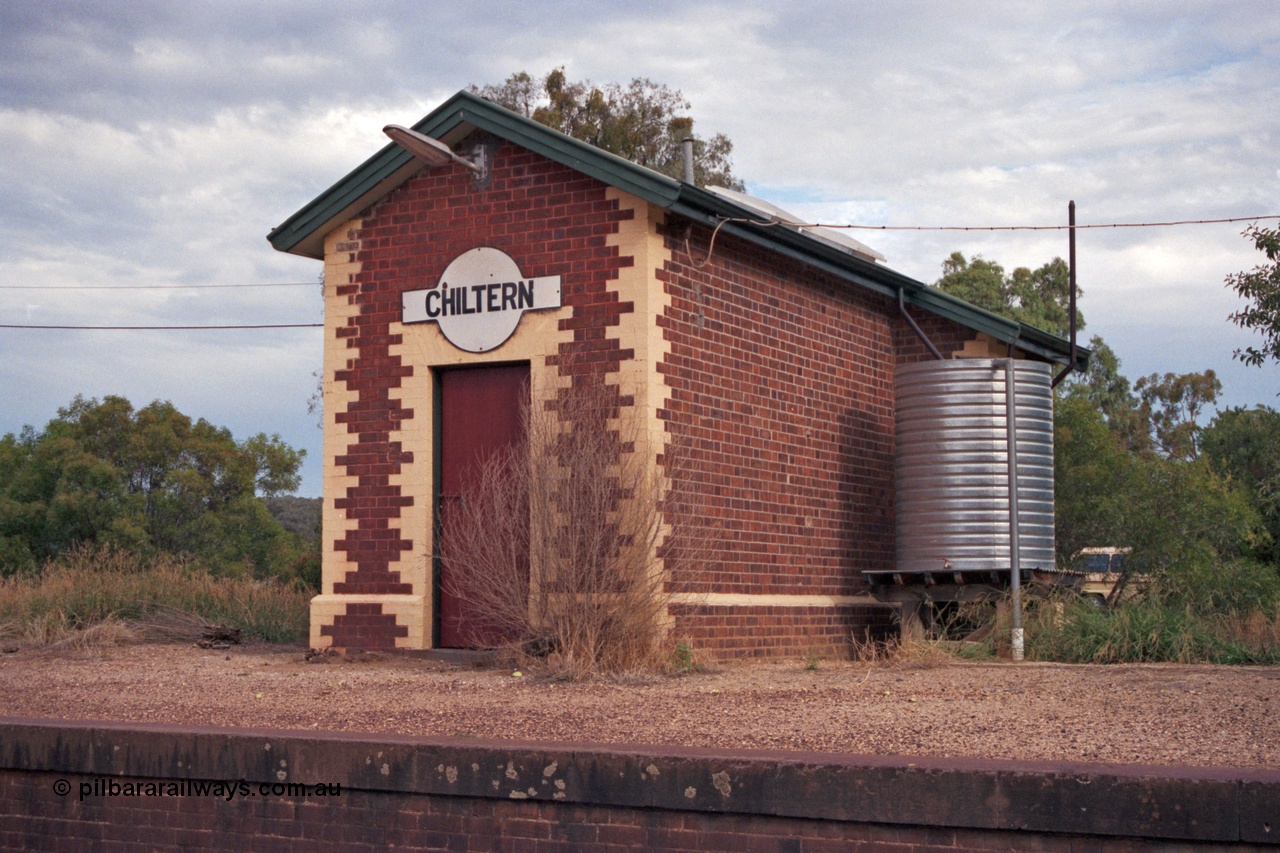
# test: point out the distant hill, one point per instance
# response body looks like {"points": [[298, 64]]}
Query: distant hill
{"points": [[297, 515]]}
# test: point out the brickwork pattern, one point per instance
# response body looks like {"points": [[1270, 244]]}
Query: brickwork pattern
{"points": [[551, 220], [778, 378], [32, 818], [950, 338], [363, 626], [782, 378], [784, 384], [780, 630]]}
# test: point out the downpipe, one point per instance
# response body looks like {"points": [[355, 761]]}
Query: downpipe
{"points": [[902, 309], [1071, 299]]}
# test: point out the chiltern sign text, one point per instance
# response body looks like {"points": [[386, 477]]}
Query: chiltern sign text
{"points": [[480, 299]]}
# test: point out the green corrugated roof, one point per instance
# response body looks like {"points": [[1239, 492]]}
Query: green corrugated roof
{"points": [[303, 233]]}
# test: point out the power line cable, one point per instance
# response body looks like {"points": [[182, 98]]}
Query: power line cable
{"points": [[791, 224], [769, 223], [167, 328], [151, 286], [726, 220], [719, 225], [1042, 227]]}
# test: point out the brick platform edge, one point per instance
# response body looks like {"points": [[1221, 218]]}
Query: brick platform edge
{"points": [[466, 794]]}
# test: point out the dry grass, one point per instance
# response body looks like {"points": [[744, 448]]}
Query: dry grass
{"points": [[54, 631], [51, 637], [897, 652], [1254, 630], [1065, 628], [96, 596]]}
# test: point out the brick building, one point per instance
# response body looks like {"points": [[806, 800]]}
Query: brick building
{"points": [[768, 349]]}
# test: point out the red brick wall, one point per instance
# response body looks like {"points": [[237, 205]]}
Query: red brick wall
{"points": [[776, 631], [782, 383], [364, 626], [946, 336], [782, 386], [552, 221]]}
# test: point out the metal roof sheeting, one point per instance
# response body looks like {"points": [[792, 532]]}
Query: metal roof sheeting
{"points": [[461, 115]]}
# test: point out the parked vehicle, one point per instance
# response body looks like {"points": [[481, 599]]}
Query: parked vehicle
{"points": [[1104, 570]]}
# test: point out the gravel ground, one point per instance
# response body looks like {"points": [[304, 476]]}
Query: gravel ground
{"points": [[1144, 714]]}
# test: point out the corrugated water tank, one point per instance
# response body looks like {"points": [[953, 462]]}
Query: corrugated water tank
{"points": [[952, 466]]}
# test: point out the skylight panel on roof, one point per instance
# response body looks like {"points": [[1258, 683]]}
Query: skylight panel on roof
{"points": [[829, 236]]}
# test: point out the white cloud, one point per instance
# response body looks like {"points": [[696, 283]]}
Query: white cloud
{"points": [[157, 144]]}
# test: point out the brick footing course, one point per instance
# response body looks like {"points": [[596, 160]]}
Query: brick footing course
{"points": [[111, 786]]}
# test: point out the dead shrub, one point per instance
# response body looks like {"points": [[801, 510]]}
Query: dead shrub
{"points": [[566, 547], [1255, 630], [908, 653], [53, 638]]}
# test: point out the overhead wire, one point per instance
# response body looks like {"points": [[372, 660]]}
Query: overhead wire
{"points": [[151, 286], [166, 328], [791, 224], [157, 287], [769, 223], [766, 223], [1048, 227]]}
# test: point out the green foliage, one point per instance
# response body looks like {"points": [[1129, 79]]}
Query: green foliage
{"points": [[1173, 513], [684, 660], [1244, 445], [148, 480], [1195, 504], [1183, 515], [1261, 287], [1172, 405], [1148, 631], [1198, 506], [1092, 473], [644, 121], [979, 282], [1039, 297], [297, 515], [1237, 586], [1154, 627], [1102, 388], [1129, 472]]}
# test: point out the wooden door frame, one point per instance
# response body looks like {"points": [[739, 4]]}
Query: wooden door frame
{"points": [[437, 463]]}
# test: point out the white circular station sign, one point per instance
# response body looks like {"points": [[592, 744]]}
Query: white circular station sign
{"points": [[480, 299]]}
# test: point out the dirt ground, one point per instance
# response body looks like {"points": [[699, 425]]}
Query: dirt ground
{"points": [[1144, 714]]}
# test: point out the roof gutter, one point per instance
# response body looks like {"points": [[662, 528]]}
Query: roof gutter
{"points": [[303, 232]]}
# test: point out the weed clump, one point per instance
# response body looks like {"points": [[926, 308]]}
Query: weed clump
{"points": [[1066, 628]]}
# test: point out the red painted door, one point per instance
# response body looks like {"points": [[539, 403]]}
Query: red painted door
{"points": [[481, 413]]}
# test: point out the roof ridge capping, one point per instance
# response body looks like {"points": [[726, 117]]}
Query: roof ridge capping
{"points": [[464, 113]]}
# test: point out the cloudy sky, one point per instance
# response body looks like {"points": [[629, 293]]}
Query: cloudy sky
{"points": [[146, 149]]}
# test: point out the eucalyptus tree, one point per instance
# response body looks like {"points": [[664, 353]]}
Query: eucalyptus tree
{"points": [[643, 121]]}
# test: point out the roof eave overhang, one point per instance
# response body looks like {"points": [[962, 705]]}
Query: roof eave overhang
{"points": [[465, 114], [453, 121], [710, 209]]}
